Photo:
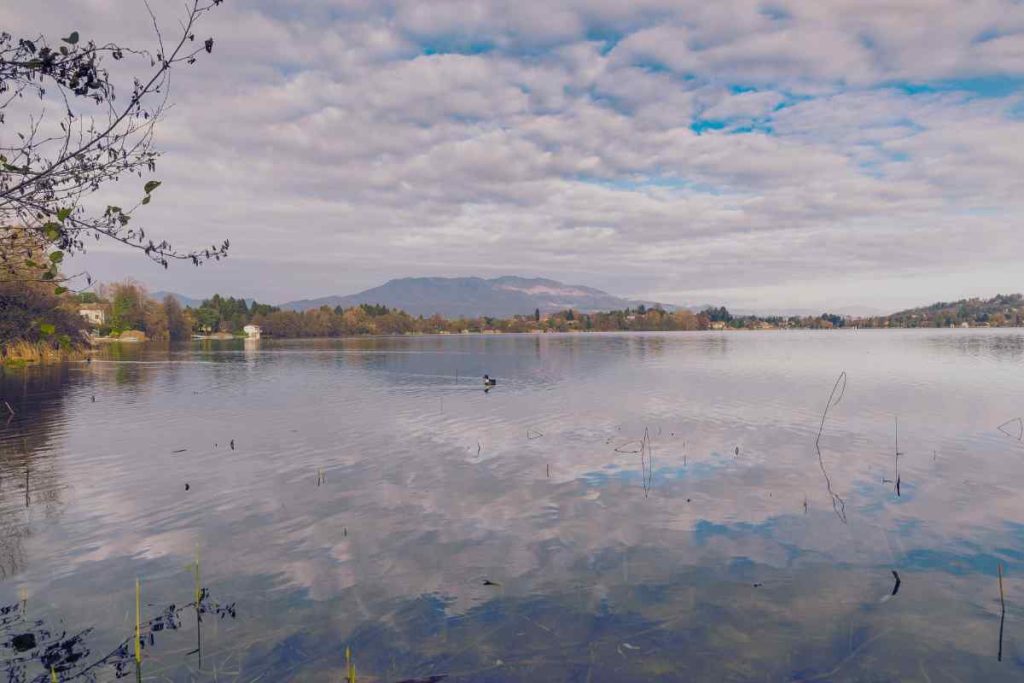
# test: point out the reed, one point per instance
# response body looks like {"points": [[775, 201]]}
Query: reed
{"points": [[648, 471], [53, 675], [1002, 612], [897, 486], [198, 590], [838, 391], [138, 623], [21, 353], [1019, 422], [1002, 598], [350, 667]]}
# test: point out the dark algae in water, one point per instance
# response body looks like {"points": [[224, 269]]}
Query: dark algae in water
{"points": [[30, 649]]}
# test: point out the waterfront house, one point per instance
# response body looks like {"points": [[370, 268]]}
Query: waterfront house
{"points": [[96, 314], [252, 331]]}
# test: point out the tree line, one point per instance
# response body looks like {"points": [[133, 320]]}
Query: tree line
{"points": [[31, 312]]}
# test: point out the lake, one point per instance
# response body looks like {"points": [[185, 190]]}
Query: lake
{"points": [[620, 507]]}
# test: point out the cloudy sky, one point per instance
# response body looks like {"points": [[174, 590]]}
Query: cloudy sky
{"points": [[767, 155]]}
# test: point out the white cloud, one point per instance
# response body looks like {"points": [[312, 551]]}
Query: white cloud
{"points": [[399, 138]]}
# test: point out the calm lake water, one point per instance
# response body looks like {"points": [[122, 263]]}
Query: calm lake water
{"points": [[376, 498]]}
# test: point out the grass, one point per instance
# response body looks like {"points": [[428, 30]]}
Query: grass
{"points": [[23, 353]]}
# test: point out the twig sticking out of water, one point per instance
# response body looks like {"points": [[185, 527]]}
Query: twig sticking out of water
{"points": [[1002, 613], [648, 469], [9, 408], [1015, 421], [897, 456], [321, 476], [838, 390], [895, 588]]}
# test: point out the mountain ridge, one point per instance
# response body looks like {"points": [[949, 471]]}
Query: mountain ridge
{"points": [[503, 296]]}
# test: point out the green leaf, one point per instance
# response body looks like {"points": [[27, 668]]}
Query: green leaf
{"points": [[62, 214], [47, 328], [51, 230], [145, 200], [65, 342], [57, 257], [72, 39], [151, 185], [59, 290]]}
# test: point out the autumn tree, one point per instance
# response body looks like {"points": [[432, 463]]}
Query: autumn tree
{"points": [[127, 305], [179, 327]]}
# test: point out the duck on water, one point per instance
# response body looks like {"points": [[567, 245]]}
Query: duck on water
{"points": [[489, 383]]}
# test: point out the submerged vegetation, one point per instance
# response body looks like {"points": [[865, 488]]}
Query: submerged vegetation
{"points": [[37, 651]]}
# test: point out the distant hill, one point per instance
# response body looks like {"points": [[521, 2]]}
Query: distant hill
{"points": [[472, 296], [999, 310], [182, 299]]}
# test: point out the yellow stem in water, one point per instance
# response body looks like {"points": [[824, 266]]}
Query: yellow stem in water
{"points": [[1002, 600], [138, 623], [198, 589], [350, 669]]}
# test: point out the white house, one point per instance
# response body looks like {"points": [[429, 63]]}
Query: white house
{"points": [[252, 331], [95, 314]]}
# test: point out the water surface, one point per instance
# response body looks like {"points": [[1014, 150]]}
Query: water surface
{"points": [[376, 498]]}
